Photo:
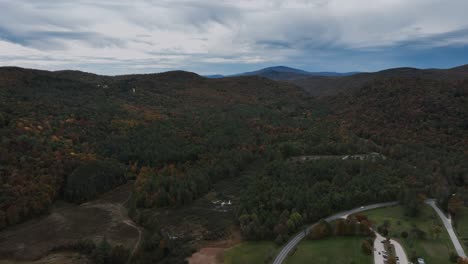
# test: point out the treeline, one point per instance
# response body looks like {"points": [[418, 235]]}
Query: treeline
{"points": [[355, 225], [101, 253], [312, 190], [93, 178], [176, 186]]}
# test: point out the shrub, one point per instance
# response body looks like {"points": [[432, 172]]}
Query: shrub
{"points": [[320, 230], [404, 234], [366, 247], [453, 257], [413, 257], [279, 239]]}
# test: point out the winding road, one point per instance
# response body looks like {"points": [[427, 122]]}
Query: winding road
{"points": [[448, 225], [297, 238], [431, 202], [399, 252]]}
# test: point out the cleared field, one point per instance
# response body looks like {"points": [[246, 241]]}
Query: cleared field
{"points": [[251, 253], [330, 251], [434, 248], [104, 217], [461, 228]]}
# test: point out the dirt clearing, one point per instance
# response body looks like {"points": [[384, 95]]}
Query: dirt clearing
{"points": [[104, 217]]}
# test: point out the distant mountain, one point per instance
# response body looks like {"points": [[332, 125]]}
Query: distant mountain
{"points": [[288, 73], [332, 85], [214, 76], [280, 73], [463, 69]]}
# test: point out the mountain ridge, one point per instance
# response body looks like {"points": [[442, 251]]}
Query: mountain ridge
{"points": [[322, 86], [282, 73]]}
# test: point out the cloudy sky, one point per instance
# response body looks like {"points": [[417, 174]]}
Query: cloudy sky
{"points": [[216, 36]]}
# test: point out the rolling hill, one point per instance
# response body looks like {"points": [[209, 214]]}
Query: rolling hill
{"points": [[186, 143], [331, 85], [283, 73], [421, 116]]}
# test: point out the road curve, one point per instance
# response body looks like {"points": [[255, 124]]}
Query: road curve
{"points": [[297, 238], [399, 252], [448, 226]]}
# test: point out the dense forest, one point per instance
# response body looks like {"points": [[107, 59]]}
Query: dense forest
{"points": [[419, 121], [72, 136]]}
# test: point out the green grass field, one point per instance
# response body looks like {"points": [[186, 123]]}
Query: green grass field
{"points": [[462, 228], [251, 253], [348, 249], [343, 250], [433, 250]]}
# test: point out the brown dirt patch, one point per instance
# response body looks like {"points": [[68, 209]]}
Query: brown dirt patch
{"points": [[207, 256], [66, 223], [211, 252]]}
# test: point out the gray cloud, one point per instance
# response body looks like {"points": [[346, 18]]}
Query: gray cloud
{"points": [[208, 35], [51, 40]]}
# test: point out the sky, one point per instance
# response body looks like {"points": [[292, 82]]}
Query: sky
{"points": [[226, 37]]}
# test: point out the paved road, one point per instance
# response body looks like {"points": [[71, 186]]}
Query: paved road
{"points": [[379, 249], [399, 252], [297, 238], [448, 225]]}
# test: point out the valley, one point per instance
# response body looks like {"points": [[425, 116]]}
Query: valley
{"points": [[175, 167], [234, 132]]}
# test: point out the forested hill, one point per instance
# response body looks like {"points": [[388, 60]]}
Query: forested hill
{"points": [[167, 83], [422, 121], [73, 135], [420, 116], [323, 86], [52, 123]]}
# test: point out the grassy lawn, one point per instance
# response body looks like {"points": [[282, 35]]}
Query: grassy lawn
{"points": [[251, 253], [433, 250], [462, 228], [343, 250]]}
